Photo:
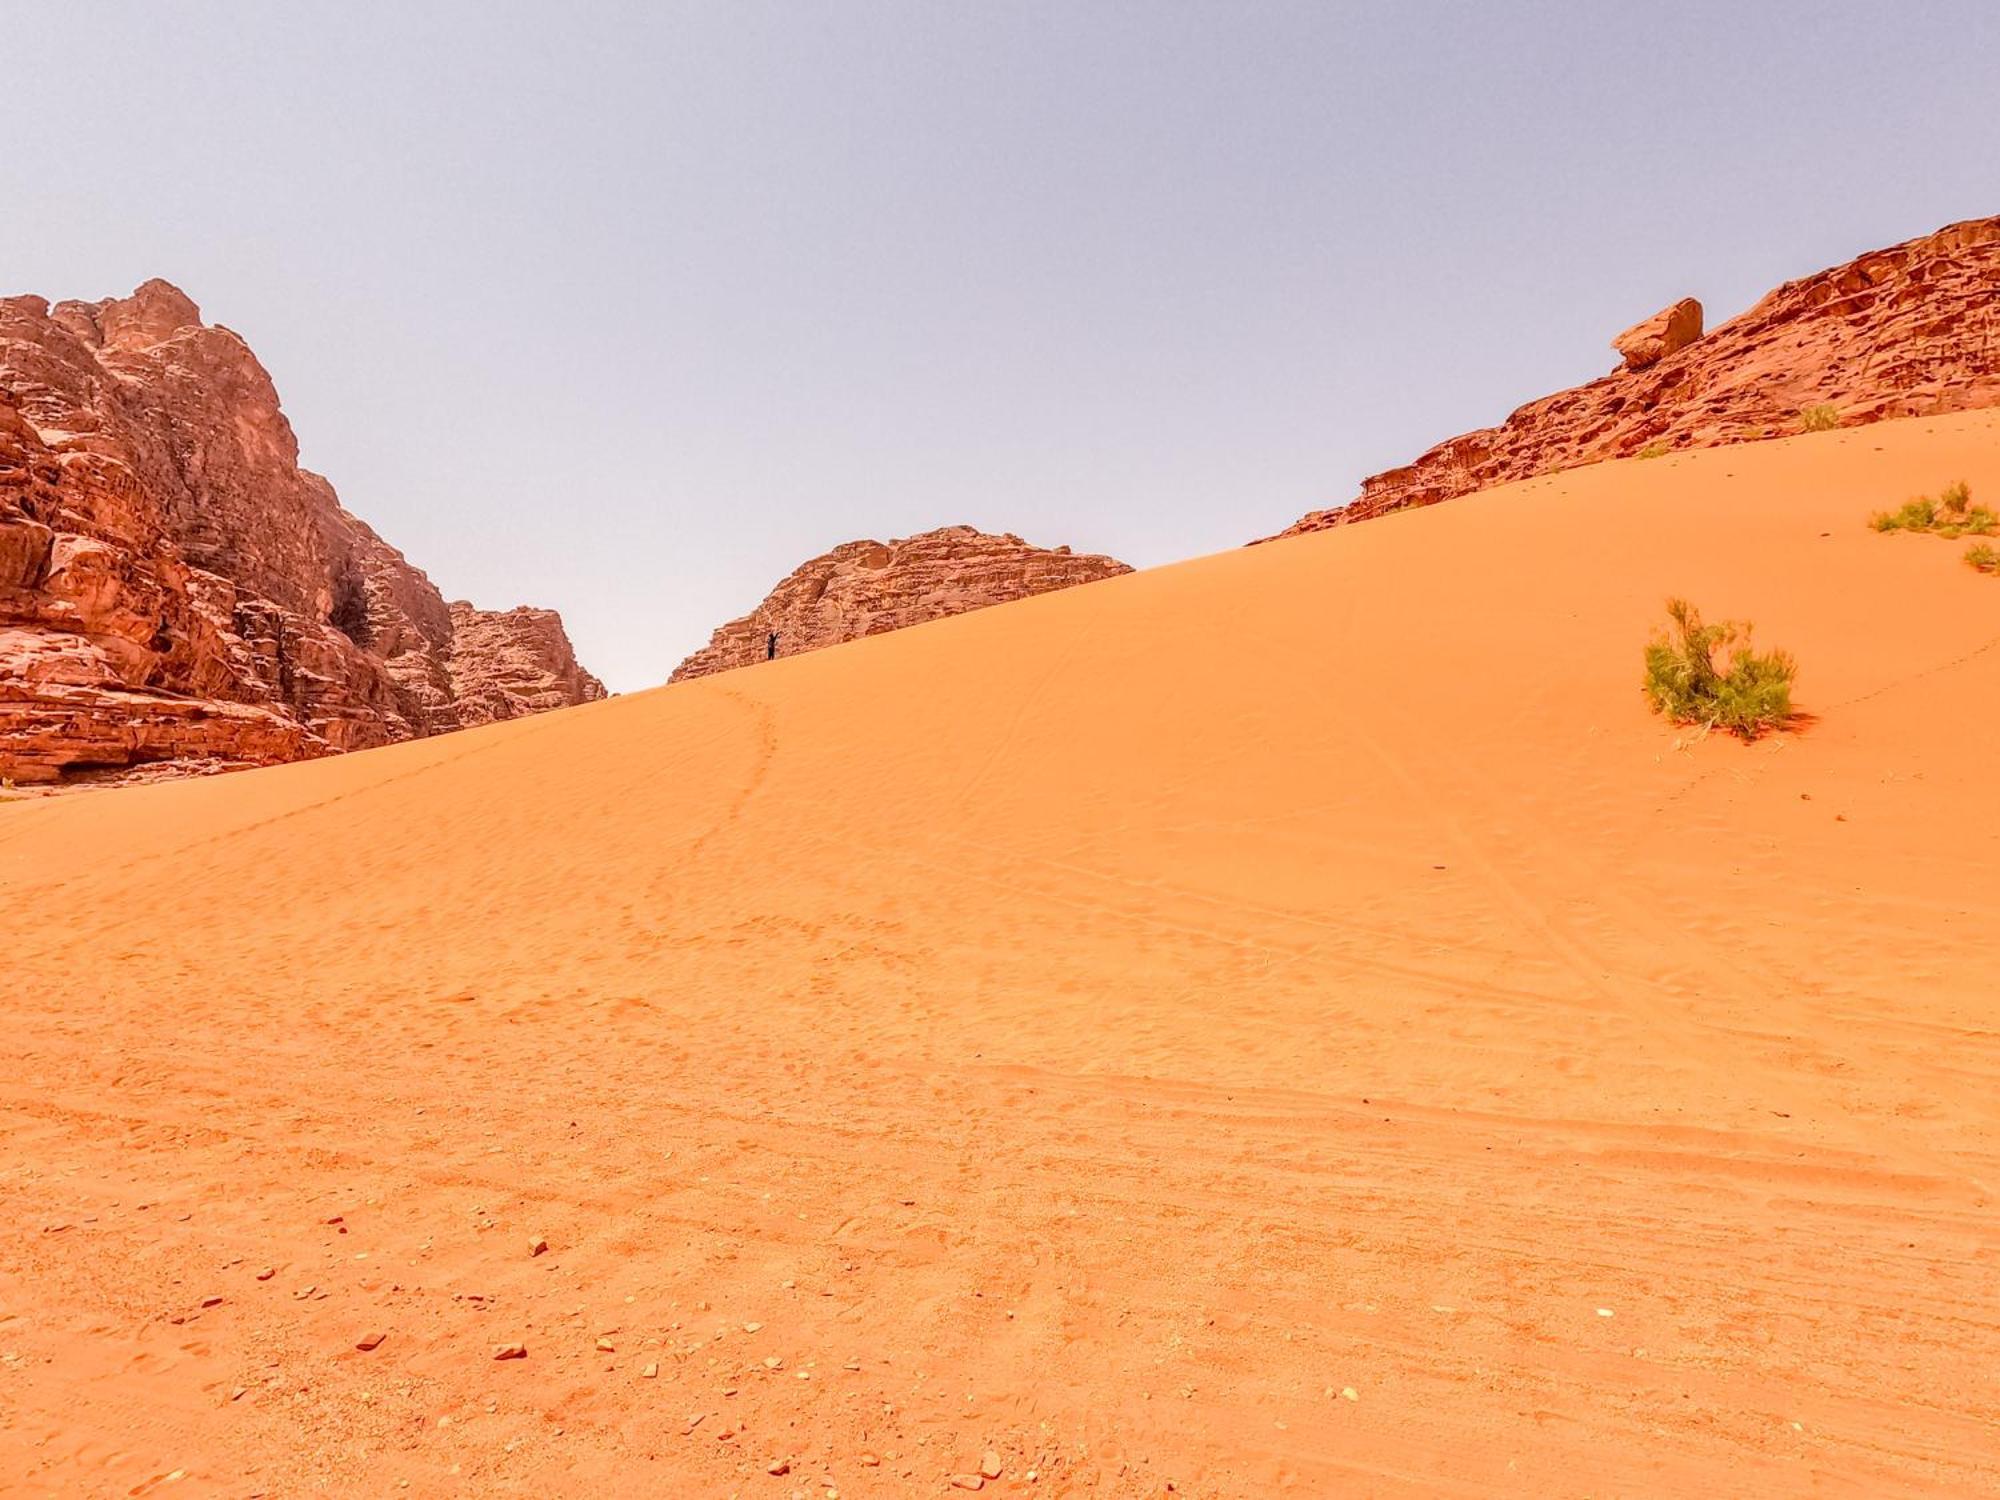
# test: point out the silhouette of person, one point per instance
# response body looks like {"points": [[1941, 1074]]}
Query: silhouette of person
{"points": [[771, 646]]}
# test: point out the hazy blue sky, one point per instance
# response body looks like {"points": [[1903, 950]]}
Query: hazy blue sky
{"points": [[628, 309]]}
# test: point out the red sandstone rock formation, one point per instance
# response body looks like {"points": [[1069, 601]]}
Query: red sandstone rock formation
{"points": [[1909, 331], [177, 595], [1668, 331], [866, 588], [506, 664]]}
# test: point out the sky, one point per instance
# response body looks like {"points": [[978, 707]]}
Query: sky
{"points": [[628, 309]]}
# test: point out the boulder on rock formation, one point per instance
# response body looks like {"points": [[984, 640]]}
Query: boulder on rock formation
{"points": [[866, 588], [1913, 330], [177, 595], [1668, 331]]}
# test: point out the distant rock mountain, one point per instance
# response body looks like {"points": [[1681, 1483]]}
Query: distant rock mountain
{"points": [[1909, 331], [177, 595], [506, 664], [866, 588]]}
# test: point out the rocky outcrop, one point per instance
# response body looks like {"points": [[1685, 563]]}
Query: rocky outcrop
{"points": [[1668, 331], [176, 593], [509, 663], [1909, 331], [866, 588]]}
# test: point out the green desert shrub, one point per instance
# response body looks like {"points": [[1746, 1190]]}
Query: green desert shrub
{"points": [[1982, 558], [1711, 675], [1654, 449], [1823, 417], [1951, 514], [1919, 514]]}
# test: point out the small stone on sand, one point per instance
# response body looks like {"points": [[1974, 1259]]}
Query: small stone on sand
{"points": [[510, 1351], [989, 1464], [369, 1341]]}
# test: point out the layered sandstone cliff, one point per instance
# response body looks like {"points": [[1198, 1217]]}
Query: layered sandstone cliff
{"points": [[866, 588], [506, 664], [1913, 330], [177, 594]]}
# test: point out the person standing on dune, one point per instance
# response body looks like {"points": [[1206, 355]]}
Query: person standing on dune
{"points": [[771, 646]]}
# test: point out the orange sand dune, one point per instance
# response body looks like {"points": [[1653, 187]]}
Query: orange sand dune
{"points": [[1290, 1021]]}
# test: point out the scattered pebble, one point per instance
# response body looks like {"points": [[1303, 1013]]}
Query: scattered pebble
{"points": [[537, 1246], [752, 1327], [650, 1372], [774, 1363], [510, 1351], [211, 1302], [989, 1464], [368, 1341], [266, 1273], [1604, 1312], [1348, 1393], [778, 1466], [605, 1346], [868, 1460], [968, 1482]]}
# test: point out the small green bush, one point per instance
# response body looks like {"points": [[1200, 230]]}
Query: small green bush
{"points": [[1748, 695], [1823, 417], [1982, 558], [1952, 514], [1919, 514], [1654, 449]]}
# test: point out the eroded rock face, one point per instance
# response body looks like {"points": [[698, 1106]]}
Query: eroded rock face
{"points": [[176, 593], [866, 588], [1668, 331], [1913, 330], [508, 663]]}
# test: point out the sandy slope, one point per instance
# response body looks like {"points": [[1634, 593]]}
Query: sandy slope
{"points": [[1100, 1030]]}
